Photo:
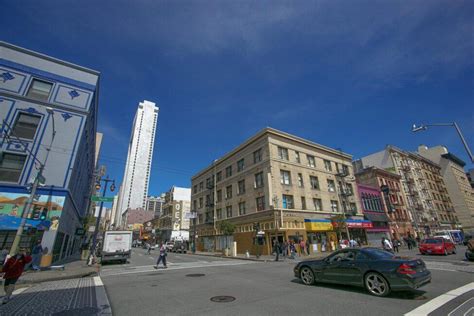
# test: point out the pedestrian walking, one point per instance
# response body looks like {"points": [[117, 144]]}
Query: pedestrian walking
{"points": [[387, 245], [161, 257], [148, 248], [36, 255], [12, 270], [302, 246], [292, 249], [276, 249], [284, 249], [3, 256], [308, 245], [395, 244]]}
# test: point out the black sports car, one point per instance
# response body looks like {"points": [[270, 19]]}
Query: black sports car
{"points": [[377, 270]]}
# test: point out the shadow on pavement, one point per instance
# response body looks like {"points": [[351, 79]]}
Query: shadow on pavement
{"points": [[404, 295]]}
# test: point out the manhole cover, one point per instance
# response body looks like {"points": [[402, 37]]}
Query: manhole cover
{"points": [[78, 311], [222, 299], [195, 275]]}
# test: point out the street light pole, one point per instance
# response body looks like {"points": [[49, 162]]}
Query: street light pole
{"points": [[424, 127], [97, 223]]}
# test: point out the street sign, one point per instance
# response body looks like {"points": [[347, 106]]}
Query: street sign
{"points": [[101, 199], [80, 231]]}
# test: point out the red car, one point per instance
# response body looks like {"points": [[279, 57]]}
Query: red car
{"points": [[437, 246]]}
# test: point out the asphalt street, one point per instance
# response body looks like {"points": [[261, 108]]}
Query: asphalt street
{"points": [[262, 288]]}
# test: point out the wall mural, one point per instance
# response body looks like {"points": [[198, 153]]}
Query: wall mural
{"points": [[11, 209]]}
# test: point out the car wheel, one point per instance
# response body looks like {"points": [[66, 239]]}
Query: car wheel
{"points": [[376, 284], [445, 252], [307, 275]]}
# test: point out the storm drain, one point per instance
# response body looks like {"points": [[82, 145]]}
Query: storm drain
{"points": [[223, 299], [195, 275], [78, 311]]}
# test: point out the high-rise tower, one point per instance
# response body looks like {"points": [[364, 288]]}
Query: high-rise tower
{"points": [[134, 190]]}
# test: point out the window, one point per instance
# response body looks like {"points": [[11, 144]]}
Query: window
{"points": [[228, 171], [228, 192], [11, 166], [300, 180], [334, 206], [285, 177], [201, 186], [331, 186], [219, 176], [318, 205], [240, 165], [219, 195], [297, 157], [39, 90], [195, 189], [241, 187], [288, 201], [219, 213], [314, 182], [327, 165], [283, 153], [201, 201], [259, 180], [261, 203], [303, 203], [26, 125], [228, 210], [353, 207], [257, 155], [242, 208], [311, 161], [194, 204]]}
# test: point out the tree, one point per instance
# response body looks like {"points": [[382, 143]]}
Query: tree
{"points": [[227, 229], [339, 222]]}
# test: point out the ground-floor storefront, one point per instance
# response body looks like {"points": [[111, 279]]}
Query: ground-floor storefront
{"points": [[316, 230], [52, 219]]}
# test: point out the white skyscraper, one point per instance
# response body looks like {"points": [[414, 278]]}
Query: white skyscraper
{"points": [[134, 190]]}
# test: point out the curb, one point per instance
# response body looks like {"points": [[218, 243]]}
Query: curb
{"points": [[251, 259], [102, 299], [57, 278]]}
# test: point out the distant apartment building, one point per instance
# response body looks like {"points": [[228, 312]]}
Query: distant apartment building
{"points": [[134, 188], [428, 203], [457, 183], [155, 204], [133, 219], [289, 186], [174, 219], [48, 116], [389, 185]]}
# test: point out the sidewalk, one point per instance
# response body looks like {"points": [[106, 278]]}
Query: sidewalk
{"points": [[264, 258], [72, 270]]}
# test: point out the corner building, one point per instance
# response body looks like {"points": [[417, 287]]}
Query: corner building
{"points": [[290, 186]]}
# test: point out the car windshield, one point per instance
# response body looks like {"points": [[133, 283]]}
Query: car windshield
{"points": [[432, 241], [379, 254]]}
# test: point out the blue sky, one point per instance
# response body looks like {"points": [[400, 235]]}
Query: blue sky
{"points": [[353, 75]]}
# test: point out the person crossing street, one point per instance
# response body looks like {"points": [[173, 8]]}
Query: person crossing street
{"points": [[13, 269], [161, 257]]}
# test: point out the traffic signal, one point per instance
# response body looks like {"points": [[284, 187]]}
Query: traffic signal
{"points": [[44, 213]]}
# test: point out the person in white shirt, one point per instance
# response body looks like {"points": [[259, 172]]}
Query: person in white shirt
{"points": [[386, 244]]}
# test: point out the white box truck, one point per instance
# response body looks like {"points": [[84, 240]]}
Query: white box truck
{"points": [[117, 246]]}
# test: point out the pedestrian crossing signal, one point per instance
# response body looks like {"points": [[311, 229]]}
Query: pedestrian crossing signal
{"points": [[43, 215]]}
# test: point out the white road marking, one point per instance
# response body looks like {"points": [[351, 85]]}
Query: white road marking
{"points": [[98, 281], [19, 291], [471, 299], [439, 301], [469, 312], [145, 269]]}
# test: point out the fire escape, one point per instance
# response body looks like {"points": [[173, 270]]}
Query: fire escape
{"points": [[414, 203]]}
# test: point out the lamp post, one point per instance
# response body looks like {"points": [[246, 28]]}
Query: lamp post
{"points": [[97, 223], [424, 127], [39, 178]]}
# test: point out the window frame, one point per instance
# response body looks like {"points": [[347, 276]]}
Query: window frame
{"points": [[17, 119], [29, 90], [20, 171]]}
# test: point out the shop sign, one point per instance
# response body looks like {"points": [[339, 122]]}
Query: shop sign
{"points": [[317, 225], [359, 224]]}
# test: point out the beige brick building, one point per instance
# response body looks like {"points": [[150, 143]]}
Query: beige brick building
{"points": [[289, 185], [428, 203], [457, 184]]}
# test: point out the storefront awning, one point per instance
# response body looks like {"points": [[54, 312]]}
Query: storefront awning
{"points": [[374, 217], [8, 222], [320, 225]]}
